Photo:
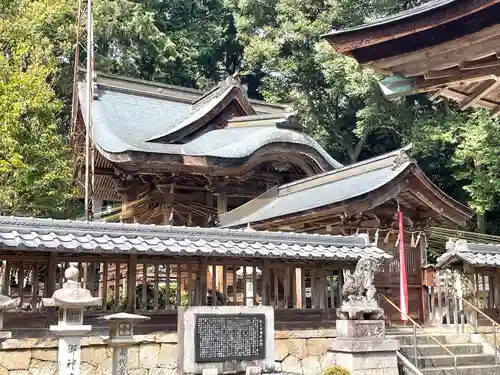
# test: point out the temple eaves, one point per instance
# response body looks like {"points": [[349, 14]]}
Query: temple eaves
{"points": [[356, 188], [446, 48], [476, 254], [71, 237], [156, 127]]}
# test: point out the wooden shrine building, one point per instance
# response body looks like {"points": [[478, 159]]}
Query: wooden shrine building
{"points": [[446, 48], [362, 198], [450, 49], [478, 264], [180, 156]]}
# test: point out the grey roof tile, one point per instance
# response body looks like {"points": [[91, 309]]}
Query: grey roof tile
{"points": [[476, 254], [321, 190], [124, 121], [77, 236]]}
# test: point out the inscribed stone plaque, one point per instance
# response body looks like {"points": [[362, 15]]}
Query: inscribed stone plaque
{"points": [[228, 337]]}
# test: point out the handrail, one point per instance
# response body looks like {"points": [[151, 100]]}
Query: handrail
{"points": [[408, 364], [493, 323], [478, 310], [416, 325]]}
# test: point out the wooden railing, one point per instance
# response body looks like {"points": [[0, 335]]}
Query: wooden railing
{"points": [[156, 286]]}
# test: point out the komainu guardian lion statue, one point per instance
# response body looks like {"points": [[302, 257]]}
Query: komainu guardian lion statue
{"points": [[359, 293]]}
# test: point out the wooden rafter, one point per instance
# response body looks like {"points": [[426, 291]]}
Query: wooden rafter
{"points": [[450, 59], [482, 63], [482, 90], [444, 48], [495, 111]]}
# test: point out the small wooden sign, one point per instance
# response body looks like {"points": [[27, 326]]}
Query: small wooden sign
{"points": [[428, 276]]}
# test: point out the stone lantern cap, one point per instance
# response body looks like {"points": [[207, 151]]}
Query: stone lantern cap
{"points": [[71, 294], [133, 318], [7, 303], [248, 271]]}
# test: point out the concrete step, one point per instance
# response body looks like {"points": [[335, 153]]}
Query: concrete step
{"points": [[447, 360], [430, 350], [426, 340], [463, 370]]}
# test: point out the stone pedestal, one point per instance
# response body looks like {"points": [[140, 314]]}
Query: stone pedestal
{"points": [[362, 348]]}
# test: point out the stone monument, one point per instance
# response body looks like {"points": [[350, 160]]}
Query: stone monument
{"points": [[225, 339], [361, 346], [71, 299], [121, 337]]}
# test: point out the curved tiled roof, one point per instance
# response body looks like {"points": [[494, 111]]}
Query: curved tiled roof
{"points": [[128, 121], [78, 236], [476, 254], [339, 186]]}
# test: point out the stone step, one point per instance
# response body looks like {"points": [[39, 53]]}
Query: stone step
{"points": [[447, 360], [463, 370], [426, 340], [430, 350]]}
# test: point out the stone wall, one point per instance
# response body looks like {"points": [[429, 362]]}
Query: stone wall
{"points": [[300, 352]]}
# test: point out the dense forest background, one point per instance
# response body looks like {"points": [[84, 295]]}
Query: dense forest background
{"points": [[273, 45]]}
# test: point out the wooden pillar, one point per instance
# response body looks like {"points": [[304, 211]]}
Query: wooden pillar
{"points": [[221, 209], [266, 285], [221, 203], [51, 284], [298, 288], [6, 278], [97, 207], [322, 288], [203, 281], [52, 274], [131, 282], [497, 291]]}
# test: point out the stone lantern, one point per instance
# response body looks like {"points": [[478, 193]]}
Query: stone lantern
{"points": [[247, 274], [6, 303], [121, 337], [71, 300]]}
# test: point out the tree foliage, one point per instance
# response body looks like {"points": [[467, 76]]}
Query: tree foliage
{"points": [[35, 168], [274, 45]]}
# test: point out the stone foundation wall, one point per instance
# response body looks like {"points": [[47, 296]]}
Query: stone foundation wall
{"points": [[300, 352]]}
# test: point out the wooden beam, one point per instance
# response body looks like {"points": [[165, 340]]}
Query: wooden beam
{"points": [[398, 86], [447, 60], [483, 89], [453, 94], [444, 48], [495, 111], [437, 94], [434, 74], [484, 63]]}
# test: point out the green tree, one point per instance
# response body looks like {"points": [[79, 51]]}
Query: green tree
{"points": [[468, 165], [339, 102], [190, 43], [35, 168]]}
